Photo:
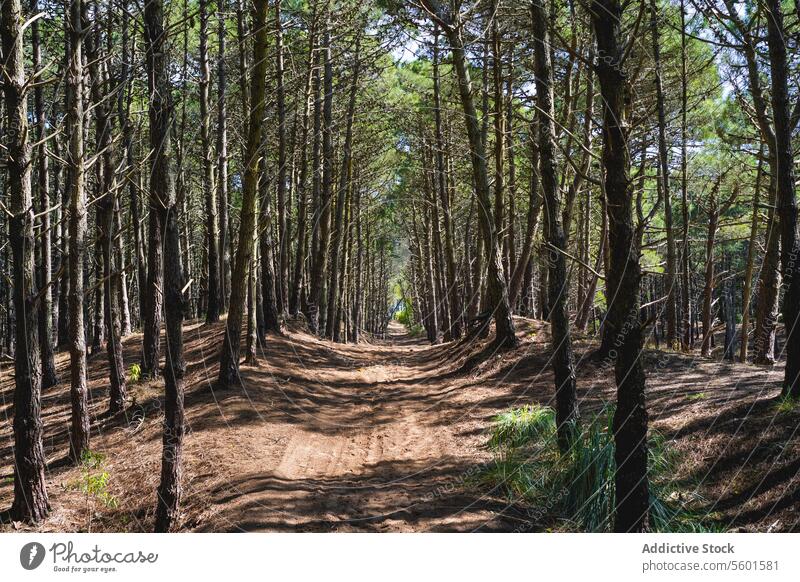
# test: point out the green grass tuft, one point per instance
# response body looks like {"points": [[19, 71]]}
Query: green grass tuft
{"points": [[787, 404], [577, 489]]}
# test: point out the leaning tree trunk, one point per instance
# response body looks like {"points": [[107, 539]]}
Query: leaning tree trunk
{"points": [[632, 497], [30, 495], [496, 285], [231, 347], [162, 194]]}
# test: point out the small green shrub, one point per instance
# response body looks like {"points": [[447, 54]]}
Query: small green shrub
{"points": [[134, 373], [696, 396], [94, 479]]}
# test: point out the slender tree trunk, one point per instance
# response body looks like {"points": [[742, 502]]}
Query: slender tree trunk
{"points": [[229, 358], [632, 496], [663, 159], [49, 377], [162, 197], [269, 302], [282, 287], [326, 196], [30, 494], [747, 291], [453, 297], [106, 204], [302, 193], [786, 202], [341, 196], [497, 288], [79, 433], [212, 226], [222, 164], [561, 341], [769, 283], [686, 339], [708, 289]]}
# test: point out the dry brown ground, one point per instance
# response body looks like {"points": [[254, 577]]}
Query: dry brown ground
{"points": [[386, 436]]}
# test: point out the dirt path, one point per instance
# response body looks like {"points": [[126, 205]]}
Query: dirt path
{"points": [[321, 437], [365, 444], [388, 436]]}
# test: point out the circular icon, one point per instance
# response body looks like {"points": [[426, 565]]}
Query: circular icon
{"points": [[31, 555]]}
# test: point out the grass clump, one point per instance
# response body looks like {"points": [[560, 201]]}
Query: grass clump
{"points": [[576, 489], [786, 404]]}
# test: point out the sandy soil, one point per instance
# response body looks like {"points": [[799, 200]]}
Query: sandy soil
{"points": [[386, 436]]}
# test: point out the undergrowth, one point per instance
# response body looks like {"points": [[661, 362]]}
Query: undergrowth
{"points": [[93, 483], [575, 491]]}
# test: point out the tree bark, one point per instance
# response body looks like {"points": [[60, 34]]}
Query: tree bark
{"points": [[79, 433], [49, 377], [231, 347], [561, 341], [212, 225], [30, 494], [786, 203], [497, 288], [663, 184], [163, 199], [632, 496]]}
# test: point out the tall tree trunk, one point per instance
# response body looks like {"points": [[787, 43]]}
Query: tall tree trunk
{"points": [[747, 291], [708, 289], [326, 195], [79, 433], [222, 164], [632, 496], [302, 190], [497, 288], [30, 494], [341, 196], [269, 302], [282, 287], [106, 204], [212, 226], [162, 197], [686, 338], [663, 165], [769, 282], [561, 341], [49, 377], [453, 297], [229, 358], [786, 202]]}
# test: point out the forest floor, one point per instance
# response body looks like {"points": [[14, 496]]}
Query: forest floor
{"points": [[389, 435]]}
